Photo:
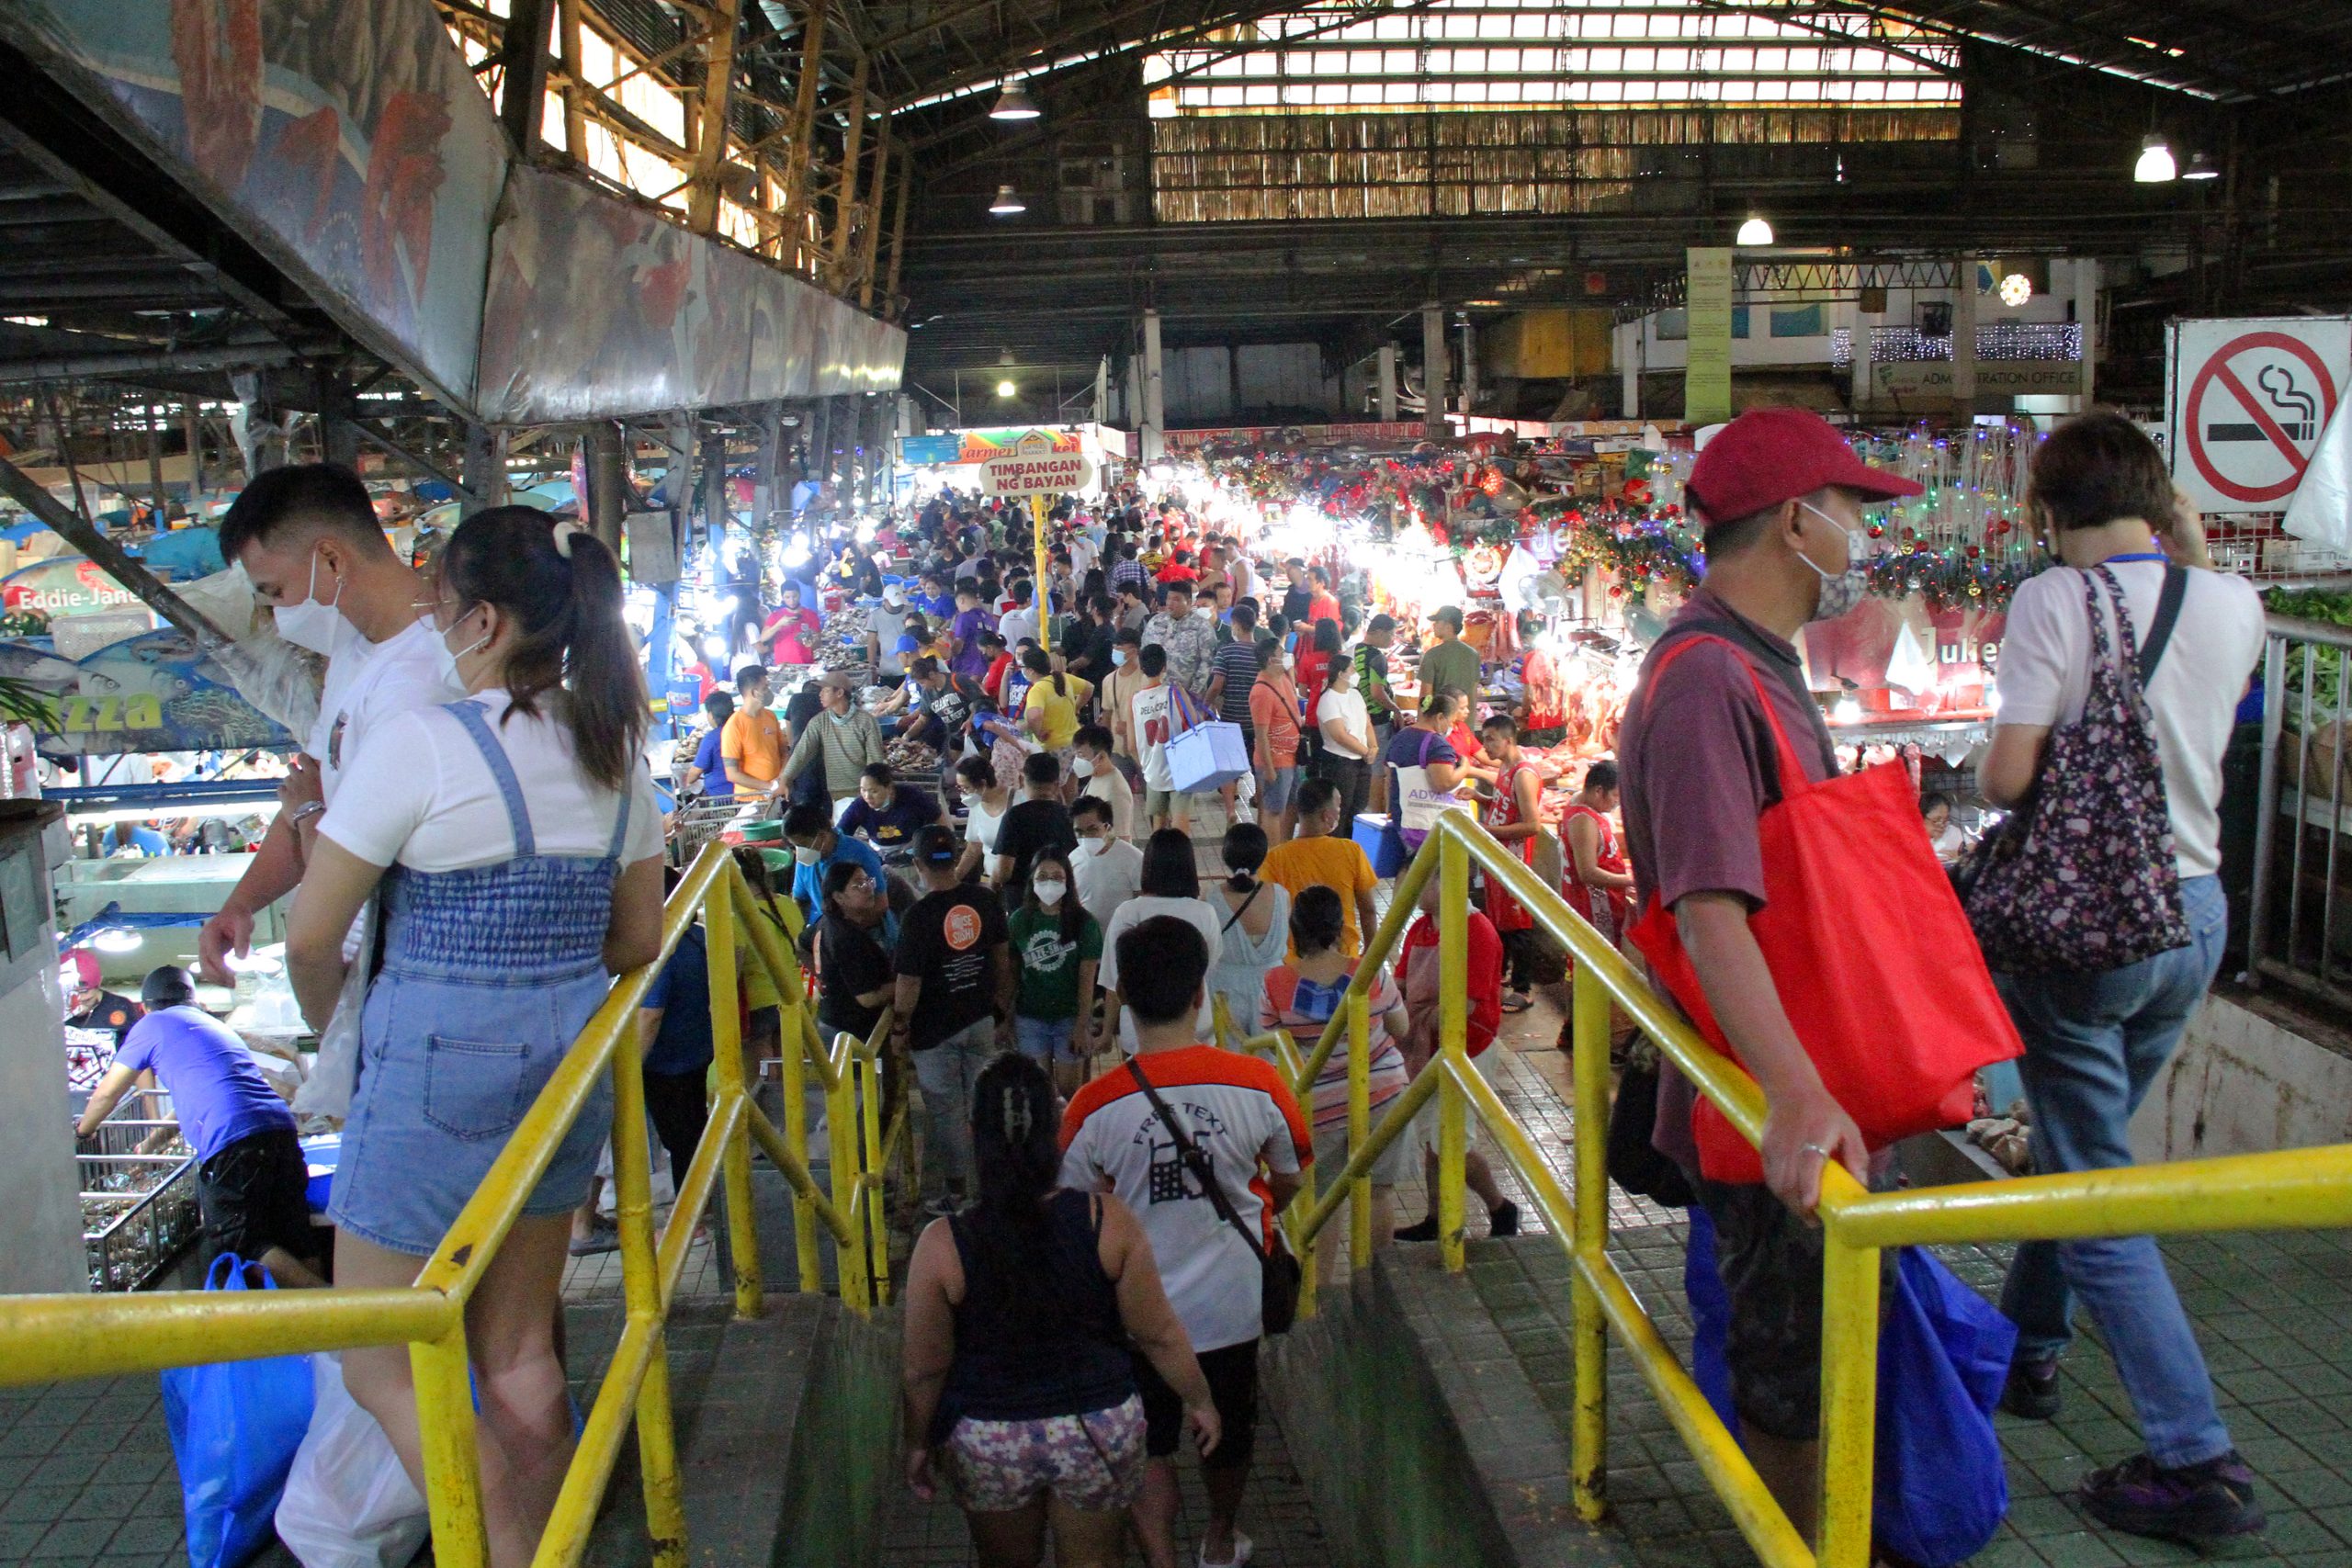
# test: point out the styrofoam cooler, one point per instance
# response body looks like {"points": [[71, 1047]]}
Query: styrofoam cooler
{"points": [[1207, 756]]}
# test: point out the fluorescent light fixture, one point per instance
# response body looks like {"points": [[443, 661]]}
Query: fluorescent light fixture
{"points": [[2155, 166], [1008, 202], [1006, 388], [2201, 167], [117, 939], [1755, 231], [1016, 104]]}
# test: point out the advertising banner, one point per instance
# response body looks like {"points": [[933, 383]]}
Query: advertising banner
{"points": [[155, 692]]}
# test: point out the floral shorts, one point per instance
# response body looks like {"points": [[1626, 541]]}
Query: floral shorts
{"points": [[1092, 1463]]}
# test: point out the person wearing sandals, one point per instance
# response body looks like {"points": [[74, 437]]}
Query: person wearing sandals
{"points": [[519, 841], [2096, 1039], [1021, 1392]]}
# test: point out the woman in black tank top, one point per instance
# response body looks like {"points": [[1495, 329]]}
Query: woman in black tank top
{"points": [[1020, 1313]]}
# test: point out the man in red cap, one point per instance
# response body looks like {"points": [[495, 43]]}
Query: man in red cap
{"points": [[1780, 495]]}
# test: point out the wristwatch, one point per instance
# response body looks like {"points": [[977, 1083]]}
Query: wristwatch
{"points": [[307, 810]]}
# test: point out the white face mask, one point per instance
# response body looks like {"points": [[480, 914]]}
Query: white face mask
{"points": [[1083, 766], [1049, 893], [447, 662], [1841, 592], [1087, 847], [805, 856], [319, 627]]}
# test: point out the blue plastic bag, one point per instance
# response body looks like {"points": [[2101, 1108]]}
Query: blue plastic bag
{"points": [[234, 1427], [1940, 1490], [1943, 1354]]}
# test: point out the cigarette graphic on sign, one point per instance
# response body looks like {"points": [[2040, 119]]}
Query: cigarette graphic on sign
{"points": [[2298, 409]]}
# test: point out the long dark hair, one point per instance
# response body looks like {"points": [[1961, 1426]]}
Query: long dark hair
{"points": [[563, 592], [1070, 916], [1018, 1159], [1170, 870], [1245, 851]]}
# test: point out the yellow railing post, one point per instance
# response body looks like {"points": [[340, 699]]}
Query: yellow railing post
{"points": [[656, 1447], [866, 1071], [727, 1051], [842, 1128], [1589, 1437], [1453, 1039], [445, 1430], [1850, 1327], [792, 1071], [1359, 1127]]}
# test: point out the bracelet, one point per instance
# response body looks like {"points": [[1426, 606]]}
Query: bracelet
{"points": [[307, 810]]}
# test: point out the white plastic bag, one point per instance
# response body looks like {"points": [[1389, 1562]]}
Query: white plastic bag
{"points": [[349, 1504], [327, 1091]]}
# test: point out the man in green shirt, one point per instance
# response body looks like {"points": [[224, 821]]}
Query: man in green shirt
{"points": [[1451, 662]]}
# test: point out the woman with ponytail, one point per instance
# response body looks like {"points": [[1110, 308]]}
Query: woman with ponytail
{"points": [[1021, 1393], [518, 841], [1253, 920]]}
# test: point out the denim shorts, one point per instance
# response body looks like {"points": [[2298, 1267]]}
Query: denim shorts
{"points": [[1046, 1040], [1278, 787]]}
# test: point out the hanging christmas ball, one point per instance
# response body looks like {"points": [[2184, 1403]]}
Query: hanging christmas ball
{"points": [[1878, 530]]}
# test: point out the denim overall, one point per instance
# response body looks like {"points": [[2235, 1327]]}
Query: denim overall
{"points": [[489, 974]]}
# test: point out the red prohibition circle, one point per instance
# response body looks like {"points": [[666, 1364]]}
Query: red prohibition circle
{"points": [[2213, 366]]}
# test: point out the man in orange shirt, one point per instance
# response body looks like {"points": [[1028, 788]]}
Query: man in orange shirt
{"points": [[751, 746], [1320, 856]]}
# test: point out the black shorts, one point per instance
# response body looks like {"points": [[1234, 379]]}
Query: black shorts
{"points": [[1535, 959], [253, 1195], [1232, 1375]]}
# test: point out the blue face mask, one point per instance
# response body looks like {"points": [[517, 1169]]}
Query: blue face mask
{"points": [[1118, 656]]}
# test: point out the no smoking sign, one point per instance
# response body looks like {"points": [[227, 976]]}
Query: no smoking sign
{"points": [[2248, 402]]}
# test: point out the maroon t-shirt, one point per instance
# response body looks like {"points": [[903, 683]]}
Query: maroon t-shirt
{"points": [[1698, 766]]}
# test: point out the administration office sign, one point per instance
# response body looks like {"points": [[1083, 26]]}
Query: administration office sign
{"points": [[2246, 400]]}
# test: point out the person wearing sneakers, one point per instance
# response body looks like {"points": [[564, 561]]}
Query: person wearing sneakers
{"points": [[1417, 965], [2096, 1039], [1241, 1128]]}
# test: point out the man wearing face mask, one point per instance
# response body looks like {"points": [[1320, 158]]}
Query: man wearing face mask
{"points": [[307, 538], [843, 741], [1098, 776], [1782, 496]]}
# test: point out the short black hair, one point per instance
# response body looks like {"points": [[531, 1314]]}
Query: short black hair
{"points": [[880, 773], [169, 986], [1154, 659], [1315, 795], [1040, 768], [327, 495], [1318, 919], [749, 673], [1091, 806], [1501, 721], [1601, 775], [721, 705], [807, 818], [1161, 963], [1927, 802], [1093, 737]]}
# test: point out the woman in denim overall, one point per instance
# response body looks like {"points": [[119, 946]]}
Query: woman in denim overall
{"points": [[488, 972]]}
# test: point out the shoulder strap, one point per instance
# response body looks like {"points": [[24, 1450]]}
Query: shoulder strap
{"points": [[1790, 768], [620, 824], [1245, 904], [2152, 652], [1195, 1162], [518, 816]]}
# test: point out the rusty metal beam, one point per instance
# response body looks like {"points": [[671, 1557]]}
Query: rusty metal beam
{"points": [[575, 114], [803, 129], [878, 188], [845, 188], [892, 301], [710, 139], [523, 62]]}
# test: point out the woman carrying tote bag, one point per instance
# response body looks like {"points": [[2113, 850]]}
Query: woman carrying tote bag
{"points": [[2102, 918]]}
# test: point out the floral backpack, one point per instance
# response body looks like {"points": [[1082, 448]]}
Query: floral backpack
{"points": [[2081, 877]]}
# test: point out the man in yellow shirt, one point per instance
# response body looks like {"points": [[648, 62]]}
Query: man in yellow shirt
{"points": [[751, 746], [1319, 856]]}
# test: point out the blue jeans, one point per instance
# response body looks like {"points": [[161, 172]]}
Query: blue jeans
{"points": [[1046, 1040], [946, 1073], [2093, 1044]]}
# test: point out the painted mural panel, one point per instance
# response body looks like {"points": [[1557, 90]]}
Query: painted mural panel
{"points": [[597, 307], [345, 136]]}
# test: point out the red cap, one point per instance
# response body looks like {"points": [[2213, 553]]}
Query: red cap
{"points": [[1769, 455]]}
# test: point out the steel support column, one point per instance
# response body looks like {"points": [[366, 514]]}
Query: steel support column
{"points": [[1388, 383], [1963, 337], [873, 231], [523, 67], [710, 135], [1433, 427], [802, 133], [606, 503], [1155, 405], [846, 182]]}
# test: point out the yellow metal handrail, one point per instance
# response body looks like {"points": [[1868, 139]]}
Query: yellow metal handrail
{"points": [[2300, 1188], [43, 1339]]}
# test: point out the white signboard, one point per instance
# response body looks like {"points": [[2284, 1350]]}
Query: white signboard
{"points": [[1930, 379], [2244, 403], [1042, 473]]}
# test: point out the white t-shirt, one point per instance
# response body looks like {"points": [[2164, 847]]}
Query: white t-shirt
{"points": [[1018, 624], [1148, 720], [368, 684], [1236, 1110], [890, 625], [1133, 913], [423, 795], [2045, 676], [1082, 555], [1110, 785], [1107, 879], [1349, 709], [980, 824]]}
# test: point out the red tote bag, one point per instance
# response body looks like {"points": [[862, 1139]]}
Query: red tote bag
{"points": [[1870, 950]]}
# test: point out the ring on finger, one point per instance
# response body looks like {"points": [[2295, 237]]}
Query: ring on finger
{"points": [[1816, 1149]]}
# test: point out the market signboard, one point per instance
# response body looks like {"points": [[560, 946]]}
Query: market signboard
{"points": [[64, 585], [1052, 473], [2246, 400], [155, 692], [1920, 380], [1024, 441]]}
